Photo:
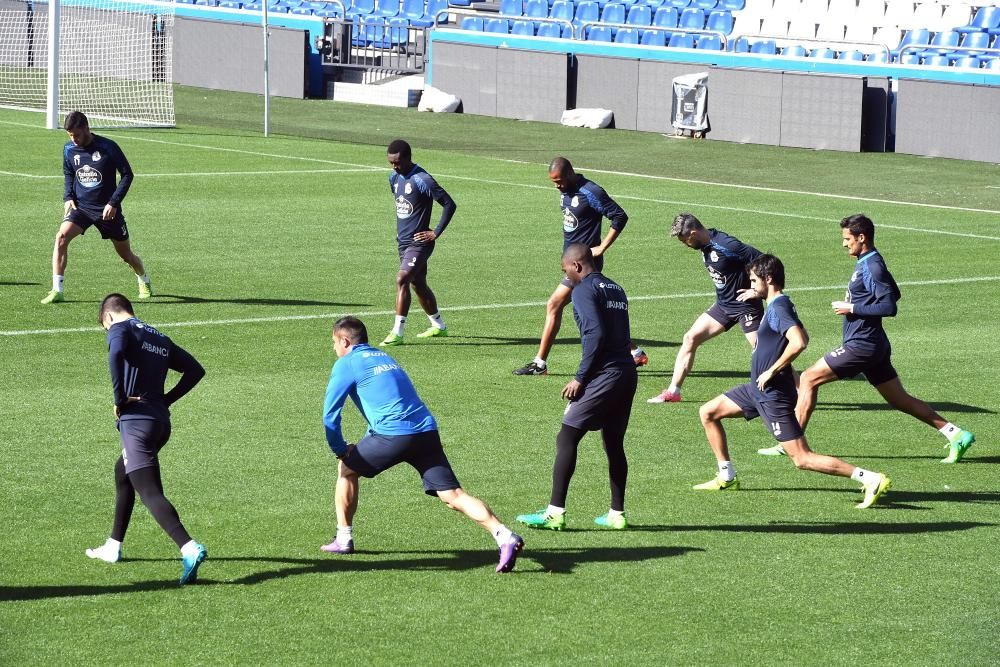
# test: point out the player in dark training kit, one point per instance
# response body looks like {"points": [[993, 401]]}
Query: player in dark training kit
{"points": [[415, 191], [726, 259], [139, 357], [92, 198], [400, 429], [584, 205], [770, 394], [871, 295], [600, 395]]}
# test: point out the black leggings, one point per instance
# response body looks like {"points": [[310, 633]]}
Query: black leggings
{"points": [[567, 443], [147, 482]]}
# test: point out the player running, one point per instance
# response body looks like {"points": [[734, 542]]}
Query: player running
{"points": [[92, 198], [139, 357], [872, 294], [400, 429], [600, 394], [770, 394], [415, 191], [726, 259], [584, 204]]}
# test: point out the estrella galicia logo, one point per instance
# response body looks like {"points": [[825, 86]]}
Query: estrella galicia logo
{"points": [[88, 177], [570, 223], [404, 209]]}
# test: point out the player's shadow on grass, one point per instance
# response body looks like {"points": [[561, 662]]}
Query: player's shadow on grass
{"points": [[940, 406], [5, 283], [899, 499], [255, 301], [825, 527], [737, 375]]}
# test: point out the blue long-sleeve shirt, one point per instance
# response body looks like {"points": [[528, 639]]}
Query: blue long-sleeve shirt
{"points": [[600, 309], [415, 195], [873, 292], [89, 175], [382, 392], [584, 208], [139, 358], [726, 259], [779, 316]]}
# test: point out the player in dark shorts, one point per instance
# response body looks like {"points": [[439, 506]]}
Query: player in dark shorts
{"points": [[872, 294], [415, 192], [770, 394], [584, 205], [139, 358], [726, 259], [92, 198], [400, 430], [600, 395]]}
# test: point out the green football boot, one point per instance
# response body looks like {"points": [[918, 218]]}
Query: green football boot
{"points": [[541, 519], [145, 289], [432, 332], [618, 522], [717, 484], [53, 296], [777, 450], [392, 339], [874, 491], [956, 447]]}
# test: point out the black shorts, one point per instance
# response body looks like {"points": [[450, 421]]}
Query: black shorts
{"points": [[413, 260], [115, 229], [779, 415], [376, 453], [728, 317], [606, 401], [142, 440], [847, 361]]}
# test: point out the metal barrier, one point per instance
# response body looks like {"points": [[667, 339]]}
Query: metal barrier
{"points": [[833, 45], [373, 44], [656, 28]]}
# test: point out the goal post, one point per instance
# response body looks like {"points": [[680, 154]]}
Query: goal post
{"points": [[113, 60]]}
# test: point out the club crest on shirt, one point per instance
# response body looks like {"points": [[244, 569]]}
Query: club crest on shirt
{"points": [[408, 189], [570, 223], [96, 156], [88, 177], [404, 209], [574, 202], [713, 256], [854, 276]]}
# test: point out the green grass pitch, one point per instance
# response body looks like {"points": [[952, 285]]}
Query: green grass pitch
{"points": [[255, 245]]}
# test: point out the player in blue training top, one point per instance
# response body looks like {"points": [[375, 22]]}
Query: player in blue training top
{"points": [[92, 197], [584, 205], [139, 358], [770, 394], [600, 394], [400, 429], [871, 295], [415, 191], [726, 259]]}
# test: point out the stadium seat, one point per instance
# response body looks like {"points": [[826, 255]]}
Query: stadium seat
{"points": [[877, 57], [920, 36], [654, 38], [720, 21], [871, 12], [511, 7], [815, 9], [665, 17], [692, 18], [709, 43], [746, 24], [972, 40], [968, 62], [471, 23], [927, 15], [679, 5], [501, 26], [412, 10], [794, 50], [539, 9], [956, 15], [774, 26], [627, 36], [993, 64], [614, 12], [386, 8], [652, 4], [252, 6], [639, 15], [704, 5], [598, 33], [586, 12], [852, 55], [460, 3], [681, 41], [937, 61], [561, 9], [553, 30], [764, 46], [909, 58], [758, 8], [732, 5], [331, 13], [833, 32], [898, 12], [233, 4], [859, 31], [987, 19], [888, 36], [525, 28], [360, 8], [942, 42], [828, 54], [802, 26], [434, 7]]}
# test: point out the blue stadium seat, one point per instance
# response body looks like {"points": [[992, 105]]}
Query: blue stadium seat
{"points": [[937, 61], [877, 57], [185, 2], [918, 36], [432, 10], [511, 7], [233, 4], [665, 17], [764, 46], [827, 54], [969, 62], [709, 43], [301, 10], [677, 4], [720, 21], [460, 3], [987, 19], [549, 30], [705, 5], [412, 9], [909, 58], [852, 55], [252, 6], [692, 18], [331, 13], [386, 8], [973, 40], [740, 45], [732, 5], [587, 11], [993, 64], [639, 15], [561, 9], [471, 23], [794, 50], [501, 26], [537, 9], [522, 28], [614, 12], [654, 38], [943, 40], [599, 33], [653, 4], [360, 9], [681, 41], [627, 36]]}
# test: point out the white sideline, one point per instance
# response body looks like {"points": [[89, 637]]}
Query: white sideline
{"points": [[454, 309], [266, 172]]}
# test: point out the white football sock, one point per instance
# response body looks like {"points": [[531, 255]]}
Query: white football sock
{"points": [[552, 510], [949, 431], [144, 277], [614, 514], [502, 535], [57, 283], [397, 328], [189, 548], [540, 362], [436, 320], [866, 477], [726, 471], [344, 535]]}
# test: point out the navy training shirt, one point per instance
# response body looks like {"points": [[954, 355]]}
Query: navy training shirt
{"points": [[415, 195], [779, 317], [382, 392], [600, 309], [874, 293], [726, 258], [89, 175], [139, 357], [583, 209]]}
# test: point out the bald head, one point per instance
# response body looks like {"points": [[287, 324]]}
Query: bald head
{"points": [[561, 174]]}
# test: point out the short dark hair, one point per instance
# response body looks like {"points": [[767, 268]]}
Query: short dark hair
{"points": [[400, 148], [579, 252], [769, 266], [114, 303], [684, 224], [859, 223], [76, 120], [560, 165], [353, 328]]}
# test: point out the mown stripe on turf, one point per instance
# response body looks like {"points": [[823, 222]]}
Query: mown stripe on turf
{"points": [[266, 172], [454, 309]]}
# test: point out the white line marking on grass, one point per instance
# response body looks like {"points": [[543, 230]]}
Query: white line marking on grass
{"points": [[268, 172], [455, 309]]}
